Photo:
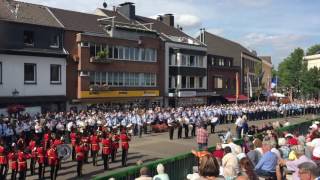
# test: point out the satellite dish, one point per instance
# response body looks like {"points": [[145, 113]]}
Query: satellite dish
{"points": [[105, 5]]}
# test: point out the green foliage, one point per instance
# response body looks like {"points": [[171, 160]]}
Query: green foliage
{"points": [[313, 49], [310, 82], [102, 54]]}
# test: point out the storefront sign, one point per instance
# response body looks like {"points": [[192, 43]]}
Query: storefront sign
{"points": [[107, 94]]}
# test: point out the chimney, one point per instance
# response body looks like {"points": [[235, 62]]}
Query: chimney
{"points": [[168, 19], [202, 35], [127, 9]]}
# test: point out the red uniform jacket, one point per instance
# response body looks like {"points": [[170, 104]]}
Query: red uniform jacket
{"points": [[116, 138], [124, 141], [94, 139], [85, 141], [3, 157], [22, 160], [52, 156], [106, 146], [40, 155], [57, 142], [32, 145], [73, 137], [80, 152], [14, 160], [46, 138]]}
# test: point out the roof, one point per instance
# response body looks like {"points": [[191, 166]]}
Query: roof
{"points": [[22, 12], [167, 32], [78, 21], [266, 58], [227, 41]]}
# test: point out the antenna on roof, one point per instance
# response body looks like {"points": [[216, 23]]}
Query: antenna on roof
{"points": [[105, 5]]}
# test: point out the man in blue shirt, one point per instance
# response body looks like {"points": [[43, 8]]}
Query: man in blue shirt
{"points": [[268, 162]]}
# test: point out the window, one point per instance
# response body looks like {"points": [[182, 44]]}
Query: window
{"points": [[0, 72], [55, 74], [200, 58], [55, 41], [103, 78], [28, 38], [191, 82], [143, 58], [92, 50], [218, 82], [115, 55], [131, 53], [97, 78], [126, 53], [136, 54], [184, 82], [120, 79], [115, 79], [192, 61], [92, 78], [173, 60], [110, 52], [131, 79], [30, 73], [121, 53], [126, 79], [136, 79], [110, 78], [200, 82], [153, 55], [184, 60]]}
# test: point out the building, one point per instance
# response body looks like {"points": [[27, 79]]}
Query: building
{"points": [[312, 60], [32, 58], [225, 59], [267, 71], [184, 65], [113, 61]]}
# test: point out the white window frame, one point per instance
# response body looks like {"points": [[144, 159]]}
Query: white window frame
{"points": [[59, 75], [34, 72]]}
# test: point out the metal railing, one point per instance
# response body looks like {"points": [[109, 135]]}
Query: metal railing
{"points": [[179, 166]]}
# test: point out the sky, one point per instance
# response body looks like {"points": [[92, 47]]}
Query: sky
{"points": [[270, 27]]}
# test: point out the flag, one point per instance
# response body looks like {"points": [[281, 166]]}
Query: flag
{"points": [[274, 82], [237, 85], [250, 87]]}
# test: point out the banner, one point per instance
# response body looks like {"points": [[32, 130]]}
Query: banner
{"points": [[274, 82]]}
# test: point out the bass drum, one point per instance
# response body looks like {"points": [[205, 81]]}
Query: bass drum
{"points": [[64, 151]]}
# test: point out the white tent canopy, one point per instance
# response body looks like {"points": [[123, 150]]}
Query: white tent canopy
{"points": [[279, 95]]}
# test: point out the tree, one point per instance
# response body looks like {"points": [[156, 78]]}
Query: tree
{"points": [[313, 50], [290, 70]]}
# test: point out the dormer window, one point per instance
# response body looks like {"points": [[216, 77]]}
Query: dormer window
{"points": [[28, 38], [54, 43]]}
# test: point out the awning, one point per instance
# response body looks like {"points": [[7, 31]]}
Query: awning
{"points": [[232, 98]]}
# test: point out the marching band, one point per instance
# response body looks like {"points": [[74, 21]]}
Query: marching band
{"points": [[45, 138]]}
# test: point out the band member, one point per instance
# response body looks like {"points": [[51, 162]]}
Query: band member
{"points": [[79, 156], [13, 157], [171, 127], [3, 161], [186, 127], [32, 145], [180, 128], [41, 160], [52, 155], [115, 146], [22, 163], [73, 137], [95, 147], [106, 149], [125, 146], [46, 139], [56, 141], [86, 147]]}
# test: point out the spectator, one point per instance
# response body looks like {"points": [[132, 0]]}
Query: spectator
{"points": [[258, 145], [144, 174], [218, 153], [283, 148], [293, 165], [239, 123], [229, 163], [253, 155], [234, 147], [247, 169], [308, 171], [268, 162], [209, 168], [161, 174], [202, 137]]}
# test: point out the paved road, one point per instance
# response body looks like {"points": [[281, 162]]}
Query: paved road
{"points": [[148, 148]]}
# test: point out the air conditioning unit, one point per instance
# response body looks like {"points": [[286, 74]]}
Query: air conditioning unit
{"points": [[84, 74], [85, 44]]}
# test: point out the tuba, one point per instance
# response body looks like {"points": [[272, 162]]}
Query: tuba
{"points": [[64, 151]]}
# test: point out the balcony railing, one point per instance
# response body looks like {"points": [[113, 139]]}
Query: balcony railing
{"points": [[100, 60]]}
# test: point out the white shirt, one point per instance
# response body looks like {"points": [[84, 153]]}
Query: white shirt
{"points": [[38, 128]]}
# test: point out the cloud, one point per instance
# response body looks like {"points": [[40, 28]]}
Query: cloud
{"points": [[254, 3], [188, 21]]}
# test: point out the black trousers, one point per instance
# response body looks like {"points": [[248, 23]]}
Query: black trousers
{"points": [[14, 175], [3, 171], [179, 132], [113, 155], [124, 157], [22, 175], [105, 158], [73, 153], [186, 130], [86, 156], [79, 168], [213, 126], [54, 171], [41, 171], [94, 157], [193, 131], [171, 132], [32, 166]]}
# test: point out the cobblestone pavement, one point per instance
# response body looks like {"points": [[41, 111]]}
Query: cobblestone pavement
{"points": [[148, 148]]}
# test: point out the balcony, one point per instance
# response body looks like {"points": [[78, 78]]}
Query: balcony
{"points": [[101, 60], [95, 89]]}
